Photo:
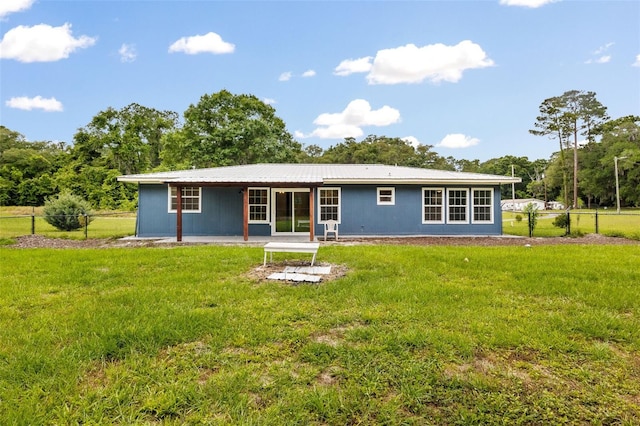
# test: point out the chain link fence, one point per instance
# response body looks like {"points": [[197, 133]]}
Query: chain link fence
{"points": [[96, 225], [573, 223]]}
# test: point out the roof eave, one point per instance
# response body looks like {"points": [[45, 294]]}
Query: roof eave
{"points": [[421, 181], [132, 179]]}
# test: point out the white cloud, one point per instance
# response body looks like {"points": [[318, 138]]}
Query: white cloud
{"points": [[413, 141], [269, 101], [127, 53], [458, 140], [599, 57], [41, 43], [637, 62], [285, 76], [27, 104], [309, 73], [435, 62], [11, 6], [350, 121], [350, 66], [207, 43], [603, 49], [526, 3]]}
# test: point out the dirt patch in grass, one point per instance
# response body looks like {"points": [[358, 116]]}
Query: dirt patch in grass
{"points": [[261, 272], [40, 241], [595, 239]]}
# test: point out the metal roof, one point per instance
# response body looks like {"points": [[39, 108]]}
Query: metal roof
{"points": [[316, 174]]}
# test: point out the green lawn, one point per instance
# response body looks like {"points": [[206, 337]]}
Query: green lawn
{"points": [[412, 335], [17, 221], [583, 222]]}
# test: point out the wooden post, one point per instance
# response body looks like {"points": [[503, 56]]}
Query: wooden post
{"points": [[312, 221], [179, 213], [245, 213]]}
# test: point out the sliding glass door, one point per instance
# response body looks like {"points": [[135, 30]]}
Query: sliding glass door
{"points": [[291, 211]]}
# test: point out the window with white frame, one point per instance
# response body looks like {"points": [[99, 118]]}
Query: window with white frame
{"points": [[457, 205], [258, 205], [191, 199], [482, 205], [329, 204], [386, 196], [432, 205]]}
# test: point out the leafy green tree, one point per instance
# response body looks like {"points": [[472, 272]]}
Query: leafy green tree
{"points": [[26, 168], [551, 123], [502, 166], [129, 140], [567, 116], [620, 138], [10, 139], [384, 150], [311, 154], [468, 166], [227, 129]]}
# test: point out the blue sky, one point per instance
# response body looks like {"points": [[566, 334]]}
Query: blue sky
{"points": [[464, 76]]}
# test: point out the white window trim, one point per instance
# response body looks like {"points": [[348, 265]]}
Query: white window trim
{"points": [[393, 196], [183, 210], [442, 209], [319, 214], [466, 212], [268, 205], [491, 206]]}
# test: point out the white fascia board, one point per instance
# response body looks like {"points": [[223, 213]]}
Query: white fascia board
{"points": [[140, 180], [421, 181]]}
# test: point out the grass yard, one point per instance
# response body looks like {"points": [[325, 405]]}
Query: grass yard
{"points": [[16, 221], [583, 222], [412, 335]]}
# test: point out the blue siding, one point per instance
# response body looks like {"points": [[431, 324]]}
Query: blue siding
{"points": [[361, 215], [221, 214]]}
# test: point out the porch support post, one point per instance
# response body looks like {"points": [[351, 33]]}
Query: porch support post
{"points": [[245, 213], [312, 220], [179, 213]]}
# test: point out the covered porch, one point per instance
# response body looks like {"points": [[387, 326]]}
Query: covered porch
{"points": [[291, 213]]}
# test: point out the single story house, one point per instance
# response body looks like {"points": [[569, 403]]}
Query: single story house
{"points": [[297, 199]]}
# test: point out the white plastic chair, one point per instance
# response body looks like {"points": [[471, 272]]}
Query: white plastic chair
{"points": [[331, 226]]}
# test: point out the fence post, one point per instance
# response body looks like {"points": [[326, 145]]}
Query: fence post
{"points": [[86, 226], [597, 221], [530, 224], [33, 224], [568, 223]]}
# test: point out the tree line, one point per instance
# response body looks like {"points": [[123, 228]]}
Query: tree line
{"points": [[225, 129]]}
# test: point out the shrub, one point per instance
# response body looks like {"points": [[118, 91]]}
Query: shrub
{"points": [[561, 221], [518, 218], [67, 212]]}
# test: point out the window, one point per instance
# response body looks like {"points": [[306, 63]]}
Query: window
{"points": [[432, 205], [258, 205], [483, 205], [386, 196], [329, 202], [190, 199], [457, 206]]}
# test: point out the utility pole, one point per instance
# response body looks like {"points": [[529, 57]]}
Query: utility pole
{"points": [[615, 162], [513, 190]]}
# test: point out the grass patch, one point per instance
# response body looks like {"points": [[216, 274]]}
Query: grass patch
{"points": [[583, 222], [17, 221], [412, 335]]}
